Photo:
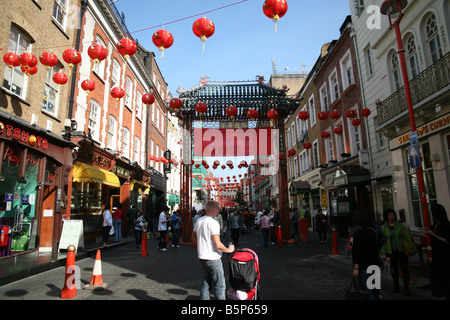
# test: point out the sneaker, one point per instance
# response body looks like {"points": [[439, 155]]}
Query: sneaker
{"points": [[177, 246], [163, 249]]}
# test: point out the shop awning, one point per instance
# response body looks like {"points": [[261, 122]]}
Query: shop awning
{"points": [[83, 172], [300, 187], [138, 184]]}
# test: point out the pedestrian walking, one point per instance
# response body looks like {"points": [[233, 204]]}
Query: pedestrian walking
{"points": [[321, 225], [176, 228], [139, 226], [440, 245], [162, 228], [395, 232], [364, 250], [265, 227], [235, 223], [107, 224], [274, 220], [131, 216], [206, 235], [117, 223], [294, 224]]}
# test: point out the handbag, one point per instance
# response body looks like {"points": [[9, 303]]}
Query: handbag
{"points": [[409, 251], [355, 293]]}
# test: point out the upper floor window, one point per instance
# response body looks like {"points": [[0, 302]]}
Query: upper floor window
{"points": [[60, 12], [139, 104], [324, 98], [369, 61], [433, 39], [14, 79], [312, 111], [137, 149], [94, 120], [126, 142], [99, 67], [395, 68], [115, 75], [347, 71], [51, 92], [334, 85], [112, 129], [412, 56], [129, 92]]}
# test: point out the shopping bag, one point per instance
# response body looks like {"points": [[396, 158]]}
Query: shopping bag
{"points": [[355, 293]]}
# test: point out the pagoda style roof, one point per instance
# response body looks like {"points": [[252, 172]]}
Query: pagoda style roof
{"points": [[244, 96]]}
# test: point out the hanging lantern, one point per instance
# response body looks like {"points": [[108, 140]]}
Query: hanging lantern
{"points": [[252, 114], [27, 60], [60, 78], [203, 28], [126, 47], [29, 71], [291, 152], [72, 57], [117, 93], [325, 134], [323, 115], [335, 114], [201, 108], [223, 166], [338, 130], [275, 9], [356, 122], [48, 59], [272, 114], [148, 99], [350, 113], [303, 115], [88, 85], [11, 59], [197, 165], [307, 145], [163, 39], [97, 52], [176, 104], [365, 112], [231, 111]]}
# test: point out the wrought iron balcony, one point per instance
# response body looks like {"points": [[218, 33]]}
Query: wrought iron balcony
{"points": [[427, 83]]}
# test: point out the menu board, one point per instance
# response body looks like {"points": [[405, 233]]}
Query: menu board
{"points": [[72, 234]]}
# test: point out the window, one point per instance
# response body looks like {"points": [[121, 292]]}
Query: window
{"points": [[316, 160], [329, 149], [433, 39], [51, 93], [137, 149], [129, 92], [324, 98], [126, 143], [359, 6], [312, 111], [99, 67], [60, 12], [334, 85], [139, 104], [354, 137], [340, 144], [94, 120], [115, 75], [395, 67], [347, 70], [295, 167], [293, 133], [369, 62], [412, 56], [14, 79], [112, 129], [289, 137]]}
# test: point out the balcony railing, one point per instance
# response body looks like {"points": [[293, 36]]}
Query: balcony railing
{"points": [[424, 85]]}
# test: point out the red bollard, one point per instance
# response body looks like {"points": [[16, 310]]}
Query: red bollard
{"points": [[279, 237], [303, 230], [335, 242], [69, 291], [144, 244]]}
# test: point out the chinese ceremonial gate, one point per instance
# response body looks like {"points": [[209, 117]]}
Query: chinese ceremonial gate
{"points": [[244, 96]]}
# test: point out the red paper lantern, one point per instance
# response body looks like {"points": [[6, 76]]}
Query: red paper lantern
{"points": [[338, 130], [323, 115], [60, 78], [272, 114], [28, 60], [365, 112], [148, 99], [275, 9], [292, 152], [350, 114], [303, 115], [97, 52], [126, 47], [307, 145], [252, 114], [88, 85], [72, 57], [176, 104], [223, 166], [325, 134], [48, 59], [117, 93], [163, 39], [11, 59], [203, 28], [29, 71], [201, 108], [231, 112], [356, 122], [197, 165], [335, 114], [151, 158]]}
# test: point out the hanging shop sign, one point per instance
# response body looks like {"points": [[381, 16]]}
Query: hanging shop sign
{"points": [[22, 136]]}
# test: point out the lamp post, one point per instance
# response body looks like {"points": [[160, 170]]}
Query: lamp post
{"points": [[394, 10]]}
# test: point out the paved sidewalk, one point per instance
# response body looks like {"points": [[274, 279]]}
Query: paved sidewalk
{"points": [[294, 272]]}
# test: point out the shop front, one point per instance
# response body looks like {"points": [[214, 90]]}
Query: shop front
{"points": [[34, 171]]}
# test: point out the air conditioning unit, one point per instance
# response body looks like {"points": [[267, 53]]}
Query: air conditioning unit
{"points": [[34, 120], [364, 159], [49, 125]]}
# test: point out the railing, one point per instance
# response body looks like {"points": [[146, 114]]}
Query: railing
{"points": [[424, 85]]}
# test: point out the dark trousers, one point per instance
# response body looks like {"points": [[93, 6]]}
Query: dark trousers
{"points": [[162, 239], [399, 259], [176, 233], [106, 233], [235, 235], [265, 233], [138, 237]]}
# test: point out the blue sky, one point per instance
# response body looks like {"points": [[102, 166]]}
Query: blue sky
{"points": [[245, 41]]}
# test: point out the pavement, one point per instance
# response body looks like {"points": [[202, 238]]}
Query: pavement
{"points": [[300, 271]]}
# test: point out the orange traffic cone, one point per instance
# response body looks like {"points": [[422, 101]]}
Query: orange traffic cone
{"points": [[97, 277], [69, 290], [144, 244]]}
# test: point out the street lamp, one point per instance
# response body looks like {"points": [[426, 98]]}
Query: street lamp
{"points": [[394, 10]]}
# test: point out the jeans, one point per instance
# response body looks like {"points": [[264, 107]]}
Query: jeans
{"points": [[138, 237], [362, 280], [265, 232], [213, 275], [162, 239], [117, 230]]}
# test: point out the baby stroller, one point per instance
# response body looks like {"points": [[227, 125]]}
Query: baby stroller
{"points": [[244, 275]]}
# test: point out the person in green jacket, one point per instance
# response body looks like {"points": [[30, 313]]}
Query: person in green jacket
{"points": [[393, 248]]}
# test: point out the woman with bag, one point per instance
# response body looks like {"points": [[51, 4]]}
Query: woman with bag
{"points": [[397, 248], [139, 225]]}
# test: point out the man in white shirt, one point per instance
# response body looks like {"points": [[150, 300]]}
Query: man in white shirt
{"points": [[206, 235], [162, 228]]}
